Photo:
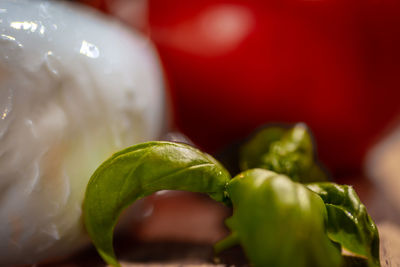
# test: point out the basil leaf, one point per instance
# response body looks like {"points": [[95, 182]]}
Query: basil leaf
{"points": [[278, 222], [288, 152], [348, 222], [139, 171], [253, 151]]}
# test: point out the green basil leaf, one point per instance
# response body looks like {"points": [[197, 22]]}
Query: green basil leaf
{"points": [[139, 171], [348, 222], [278, 222], [288, 152]]}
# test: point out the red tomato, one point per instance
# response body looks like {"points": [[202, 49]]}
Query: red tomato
{"points": [[235, 65]]}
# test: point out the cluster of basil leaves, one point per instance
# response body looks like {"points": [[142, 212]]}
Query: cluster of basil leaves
{"points": [[285, 213]]}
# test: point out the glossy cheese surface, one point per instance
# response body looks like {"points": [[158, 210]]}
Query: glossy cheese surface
{"points": [[75, 87]]}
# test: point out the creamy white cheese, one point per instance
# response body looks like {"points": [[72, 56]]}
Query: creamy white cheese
{"points": [[74, 88]]}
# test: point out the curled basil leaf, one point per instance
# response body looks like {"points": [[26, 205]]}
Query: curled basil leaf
{"points": [[348, 222], [278, 222], [288, 152], [139, 171]]}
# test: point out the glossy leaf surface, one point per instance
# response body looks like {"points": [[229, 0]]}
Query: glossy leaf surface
{"points": [[139, 171], [348, 222], [278, 222]]}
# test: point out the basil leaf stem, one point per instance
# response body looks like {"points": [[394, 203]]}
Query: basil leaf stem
{"points": [[139, 171]]}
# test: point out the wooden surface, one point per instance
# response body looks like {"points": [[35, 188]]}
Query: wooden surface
{"points": [[390, 244], [181, 231], [191, 255]]}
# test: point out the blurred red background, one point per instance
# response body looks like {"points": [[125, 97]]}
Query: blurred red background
{"points": [[233, 66]]}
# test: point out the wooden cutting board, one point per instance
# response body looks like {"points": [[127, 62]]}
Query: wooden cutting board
{"points": [[389, 249], [204, 228]]}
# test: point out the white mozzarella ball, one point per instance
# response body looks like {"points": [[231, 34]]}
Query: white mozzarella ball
{"points": [[74, 88]]}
